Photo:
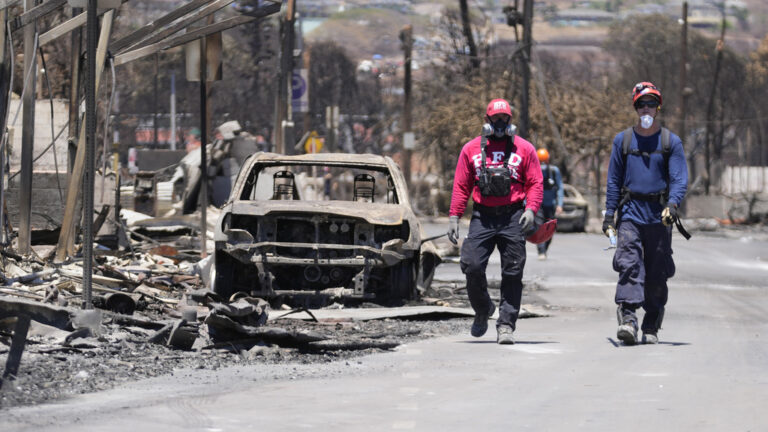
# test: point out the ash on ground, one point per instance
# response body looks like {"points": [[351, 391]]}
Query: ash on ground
{"points": [[57, 364]]}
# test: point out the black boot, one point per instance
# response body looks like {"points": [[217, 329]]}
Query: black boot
{"points": [[627, 331]]}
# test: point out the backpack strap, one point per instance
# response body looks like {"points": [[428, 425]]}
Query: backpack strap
{"points": [[666, 149], [483, 143]]}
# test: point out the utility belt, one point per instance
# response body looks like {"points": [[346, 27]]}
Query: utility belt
{"points": [[660, 197], [498, 210]]}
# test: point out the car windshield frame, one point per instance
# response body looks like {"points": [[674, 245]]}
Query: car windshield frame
{"points": [[309, 180]]}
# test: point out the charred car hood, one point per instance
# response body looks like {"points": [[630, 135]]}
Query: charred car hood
{"points": [[373, 213]]}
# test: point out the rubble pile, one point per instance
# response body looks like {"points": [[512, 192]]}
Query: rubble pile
{"points": [[152, 314]]}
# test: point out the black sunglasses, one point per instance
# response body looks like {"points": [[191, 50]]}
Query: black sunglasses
{"points": [[649, 104]]}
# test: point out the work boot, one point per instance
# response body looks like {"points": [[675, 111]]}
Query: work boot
{"points": [[650, 338], [505, 335], [627, 331], [480, 325]]}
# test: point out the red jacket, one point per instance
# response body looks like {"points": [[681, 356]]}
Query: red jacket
{"points": [[527, 181]]}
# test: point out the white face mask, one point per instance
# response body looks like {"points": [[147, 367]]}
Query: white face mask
{"points": [[646, 121]]}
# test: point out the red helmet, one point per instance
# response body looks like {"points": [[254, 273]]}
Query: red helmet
{"points": [[544, 232], [543, 155], [645, 88], [498, 106]]}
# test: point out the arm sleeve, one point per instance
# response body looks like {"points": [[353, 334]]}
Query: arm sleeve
{"points": [[534, 181], [615, 176], [559, 181], [678, 173], [463, 182]]}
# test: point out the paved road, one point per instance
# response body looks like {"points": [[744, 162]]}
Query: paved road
{"points": [[566, 373]]}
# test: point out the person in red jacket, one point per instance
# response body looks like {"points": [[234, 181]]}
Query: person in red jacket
{"points": [[502, 174]]}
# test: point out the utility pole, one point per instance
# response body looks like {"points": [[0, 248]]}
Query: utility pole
{"points": [[684, 90], [283, 126], [525, 121], [711, 104], [27, 133], [406, 36]]}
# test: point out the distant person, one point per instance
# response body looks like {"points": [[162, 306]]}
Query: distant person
{"points": [[192, 140], [262, 144], [552, 203], [499, 170], [327, 179], [647, 181]]}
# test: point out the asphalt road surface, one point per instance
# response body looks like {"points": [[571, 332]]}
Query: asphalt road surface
{"points": [[567, 372]]}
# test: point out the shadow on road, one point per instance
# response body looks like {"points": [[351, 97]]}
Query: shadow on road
{"points": [[516, 342], [619, 344]]}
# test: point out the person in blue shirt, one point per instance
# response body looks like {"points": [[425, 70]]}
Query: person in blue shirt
{"points": [[647, 181], [552, 203]]}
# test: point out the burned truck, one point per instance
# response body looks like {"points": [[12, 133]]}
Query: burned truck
{"points": [[328, 224]]}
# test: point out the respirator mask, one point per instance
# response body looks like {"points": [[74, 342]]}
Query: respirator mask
{"points": [[498, 129]]}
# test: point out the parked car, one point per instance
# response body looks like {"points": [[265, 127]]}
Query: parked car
{"points": [[575, 210], [324, 224]]}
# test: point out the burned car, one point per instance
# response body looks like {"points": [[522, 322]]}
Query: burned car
{"points": [[324, 224], [575, 213]]}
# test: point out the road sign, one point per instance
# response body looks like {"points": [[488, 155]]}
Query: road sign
{"points": [[314, 143], [409, 141], [300, 91]]}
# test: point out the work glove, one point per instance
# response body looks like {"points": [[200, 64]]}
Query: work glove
{"points": [[526, 221], [453, 229], [669, 214], [608, 224]]}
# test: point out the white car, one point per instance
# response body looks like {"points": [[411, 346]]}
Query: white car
{"points": [[321, 224]]}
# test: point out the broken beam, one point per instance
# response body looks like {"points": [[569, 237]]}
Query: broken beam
{"points": [[181, 40], [148, 29], [45, 314], [66, 27], [182, 24], [35, 13], [17, 348]]}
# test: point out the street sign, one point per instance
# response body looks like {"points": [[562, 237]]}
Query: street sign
{"points": [[409, 141], [314, 143], [300, 91]]}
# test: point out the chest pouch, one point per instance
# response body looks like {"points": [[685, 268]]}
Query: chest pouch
{"points": [[495, 181]]}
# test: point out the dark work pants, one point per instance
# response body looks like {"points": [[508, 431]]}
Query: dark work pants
{"points": [[486, 232], [644, 261], [544, 214]]}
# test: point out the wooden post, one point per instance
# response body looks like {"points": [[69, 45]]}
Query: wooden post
{"points": [[203, 145], [5, 71], [76, 41], [17, 348], [65, 247], [27, 134]]}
